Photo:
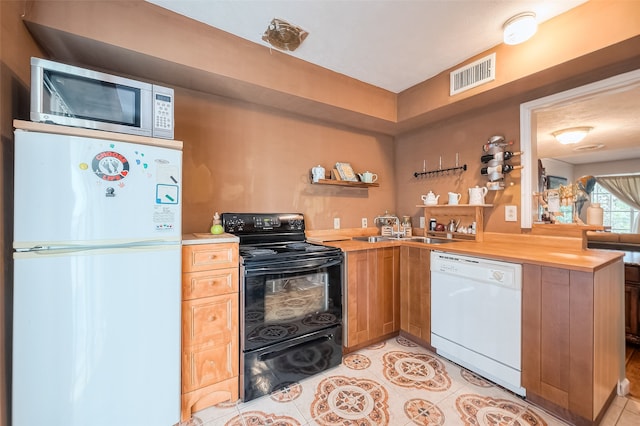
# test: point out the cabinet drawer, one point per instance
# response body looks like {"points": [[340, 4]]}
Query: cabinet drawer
{"points": [[209, 320], [209, 283], [632, 273], [203, 257], [207, 365]]}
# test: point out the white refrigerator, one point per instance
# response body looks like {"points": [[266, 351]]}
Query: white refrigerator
{"points": [[96, 296]]}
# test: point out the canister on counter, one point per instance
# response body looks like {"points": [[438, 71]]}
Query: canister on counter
{"points": [[432, 224], [406, 225]]}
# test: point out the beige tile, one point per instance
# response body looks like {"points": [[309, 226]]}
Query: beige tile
{"points": [[402, 402], [633, 405], [614, 411], [628, 418], [265, 409], [211, 414]]}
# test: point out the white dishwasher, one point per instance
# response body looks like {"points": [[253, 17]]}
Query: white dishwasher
{"points": [[476, 315]]}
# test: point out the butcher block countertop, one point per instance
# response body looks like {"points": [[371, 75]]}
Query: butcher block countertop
{"points": [[207, 238], [557, 252]]}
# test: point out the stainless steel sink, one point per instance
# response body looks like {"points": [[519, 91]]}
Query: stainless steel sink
{"points": [[427, 240], [372, 238]]}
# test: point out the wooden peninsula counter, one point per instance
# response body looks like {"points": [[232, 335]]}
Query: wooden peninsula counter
{"points": [[572, 310]]}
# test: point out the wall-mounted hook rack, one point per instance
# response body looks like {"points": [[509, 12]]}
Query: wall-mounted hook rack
{"points": [[441, 172]]}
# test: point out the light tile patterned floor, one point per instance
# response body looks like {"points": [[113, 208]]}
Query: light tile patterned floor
{"points": [[395, 383]]}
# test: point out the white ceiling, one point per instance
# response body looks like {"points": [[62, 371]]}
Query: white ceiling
{"points": [[614, 117], [395, 44]]}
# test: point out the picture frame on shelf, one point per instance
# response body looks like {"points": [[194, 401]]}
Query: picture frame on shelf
{"points": [[346, 172]]}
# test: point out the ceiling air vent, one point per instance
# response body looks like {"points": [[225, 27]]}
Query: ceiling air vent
{"points": [[472, 75]]}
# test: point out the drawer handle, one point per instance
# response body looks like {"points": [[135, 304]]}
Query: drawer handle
{"points": [[212, 318]]}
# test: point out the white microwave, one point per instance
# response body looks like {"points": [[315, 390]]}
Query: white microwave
{"points": [[78, 97]]}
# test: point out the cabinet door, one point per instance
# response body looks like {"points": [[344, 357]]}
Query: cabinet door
{"points": [[209, 283], [361, 295], [415, 292], [388, 286], [205, 257], [210, 319], [631, 313], [210, 340], [558, 337]]}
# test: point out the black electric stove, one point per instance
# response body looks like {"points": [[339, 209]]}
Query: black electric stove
{"points": [[272, 237], [290, 302]]}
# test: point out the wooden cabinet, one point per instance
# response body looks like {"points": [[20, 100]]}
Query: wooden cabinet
{"points": [[415, 293], [571, 335], [373, 295], [467, 214], [210, 351], [632, 302]]}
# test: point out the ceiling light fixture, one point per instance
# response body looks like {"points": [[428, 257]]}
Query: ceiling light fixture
{"points": [[520, 28], [283, 35], [571, 135]]}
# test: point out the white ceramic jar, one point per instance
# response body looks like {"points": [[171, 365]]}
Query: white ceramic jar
{"points": [[595, 214]]}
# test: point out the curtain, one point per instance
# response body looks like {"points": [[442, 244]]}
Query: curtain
{"points": [[627, 189]]}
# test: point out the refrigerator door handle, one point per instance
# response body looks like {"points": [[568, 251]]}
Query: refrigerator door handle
{"points": [[82, 247]]}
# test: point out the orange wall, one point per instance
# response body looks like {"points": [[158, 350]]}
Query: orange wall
{"points": [[465, 135], [239, 157]]}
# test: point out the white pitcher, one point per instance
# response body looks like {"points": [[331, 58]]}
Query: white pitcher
{"points": [[454, 198], [476, 195]]}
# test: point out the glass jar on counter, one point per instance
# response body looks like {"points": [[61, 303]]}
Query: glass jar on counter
{"points": [[406, 225]]}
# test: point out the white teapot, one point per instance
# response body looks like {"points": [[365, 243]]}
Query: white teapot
{"points": [[430, 199], [476, 195], [368, 177]]}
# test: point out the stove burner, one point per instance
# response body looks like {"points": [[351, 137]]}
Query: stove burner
{"points": [[316, 248], [252, 251], [298, 246]]}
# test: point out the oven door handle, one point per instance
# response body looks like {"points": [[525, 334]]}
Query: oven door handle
{"points": [[287, 268], [275, 354]]}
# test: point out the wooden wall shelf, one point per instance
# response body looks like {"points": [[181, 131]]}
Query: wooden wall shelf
{"points": [[466, 213], [345, 183]]}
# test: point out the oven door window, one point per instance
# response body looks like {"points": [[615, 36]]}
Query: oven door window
{"points": [[281, 306], [293, 298]]}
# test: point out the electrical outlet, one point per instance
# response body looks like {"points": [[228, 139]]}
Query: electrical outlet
{"points": [[511, 213], [422, 222], [336, 223], [364, 222]]}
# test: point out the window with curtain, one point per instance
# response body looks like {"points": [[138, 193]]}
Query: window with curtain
{"points": [[619, 197]]}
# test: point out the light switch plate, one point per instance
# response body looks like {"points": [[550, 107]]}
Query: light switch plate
{"points": [[511, 213], [422, 222], [336, 223]]}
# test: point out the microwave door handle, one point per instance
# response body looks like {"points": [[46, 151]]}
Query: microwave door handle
{"points": [[288, 269]]}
